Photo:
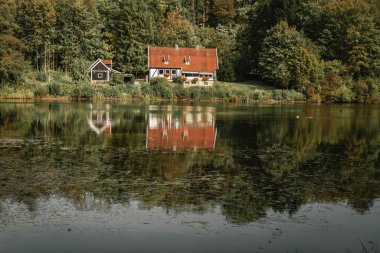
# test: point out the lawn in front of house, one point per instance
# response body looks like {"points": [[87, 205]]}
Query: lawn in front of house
{"points": [[247, 85]]}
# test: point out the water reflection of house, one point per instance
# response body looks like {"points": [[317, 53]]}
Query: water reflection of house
{"points": [[99, 119], [181, 127]]}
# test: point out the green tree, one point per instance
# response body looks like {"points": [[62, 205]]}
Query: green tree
{"points": [[222, 12], [78, 35], [178, 30], [286, 58], [36, 21], [12, 63], [133, 31]]}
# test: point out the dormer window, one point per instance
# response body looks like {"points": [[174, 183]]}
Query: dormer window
{"points": [[166, 59], [187, 60]]}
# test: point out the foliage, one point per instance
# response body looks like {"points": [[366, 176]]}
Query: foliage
{"points": [[41, 91], [288, 95], [341, 95], [286, 58], [12, 64], [83, 90], [178, 30], [159, 81], [129, 30], [222, 12], [123, 79], [324, 49], [160, 88], [177, 80]]}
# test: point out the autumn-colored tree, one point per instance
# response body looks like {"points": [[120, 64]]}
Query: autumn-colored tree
{"points": [[222, 12], [178, 30]]}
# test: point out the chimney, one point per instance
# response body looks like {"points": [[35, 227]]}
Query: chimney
{"points": [[176, 47], [197, 47]]}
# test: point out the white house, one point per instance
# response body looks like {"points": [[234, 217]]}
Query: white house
{"points": [[196, 66]]}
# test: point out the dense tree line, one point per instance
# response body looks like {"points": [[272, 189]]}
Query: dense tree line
{"points": [[326, 49]]}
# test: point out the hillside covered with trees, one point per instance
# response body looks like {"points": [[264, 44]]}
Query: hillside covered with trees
{"points": [[326, 50]]}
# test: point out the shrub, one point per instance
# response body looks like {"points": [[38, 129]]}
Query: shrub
{"points": [[61, 77], [117, 79], [55, 89], [19, 92], [41, 76], [109, 91], [361, 91], [146, 89], [288, 95], [293, 95], [256, 95], [178, 80], [195, 79], [179, 91], [197, 92], [159, 81], [83, 91], [123, 79], [277, 95], [341, 95], [205, 78], [162, 91], [129, 79], [41, 91]]}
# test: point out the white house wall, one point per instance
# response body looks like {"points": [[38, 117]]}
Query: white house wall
{"points": [[156, 72], [153, 73]]}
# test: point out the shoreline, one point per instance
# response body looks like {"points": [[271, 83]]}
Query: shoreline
{"points": [[214, 100]]}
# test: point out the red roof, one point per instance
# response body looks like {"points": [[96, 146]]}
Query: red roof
{"points": [[185, 137], [201, 59], [107, 62]]}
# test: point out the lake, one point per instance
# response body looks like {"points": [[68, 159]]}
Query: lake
{"points": [[124, 177]]}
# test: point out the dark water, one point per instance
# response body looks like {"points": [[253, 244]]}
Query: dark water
{"points": [[119, 177]]}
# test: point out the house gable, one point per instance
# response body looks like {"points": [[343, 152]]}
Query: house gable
{"points": [[101, 70], [100, 67]]}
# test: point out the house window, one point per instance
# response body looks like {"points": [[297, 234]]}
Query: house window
{"points": [[187, 60], [161, 71], [100, 75], [206, 83], [166, 59], [167, 71], [174, 72]]}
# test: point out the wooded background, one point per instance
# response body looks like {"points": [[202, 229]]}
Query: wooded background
{"points": [[314, 46]]}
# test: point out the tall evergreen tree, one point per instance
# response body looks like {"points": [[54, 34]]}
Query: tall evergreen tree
{"points": [[78, 35], [135, 31], [12, 63]]}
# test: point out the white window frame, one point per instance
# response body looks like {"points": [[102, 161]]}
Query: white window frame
{"points": [[100, 74]]}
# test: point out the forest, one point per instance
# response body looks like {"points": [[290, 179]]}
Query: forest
{"points": [[328, 50]]}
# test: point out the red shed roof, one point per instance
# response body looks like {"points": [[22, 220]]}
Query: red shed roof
{"points": [[200, 59], [107, 62]]}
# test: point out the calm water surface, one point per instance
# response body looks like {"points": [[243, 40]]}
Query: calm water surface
{"points": [[120, 177]]}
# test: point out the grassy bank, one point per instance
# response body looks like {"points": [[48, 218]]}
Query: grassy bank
{"points": [[239, 92], [227, 92]]}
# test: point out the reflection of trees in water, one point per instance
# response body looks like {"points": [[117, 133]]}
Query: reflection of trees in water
{"points": [[261, 161]]}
